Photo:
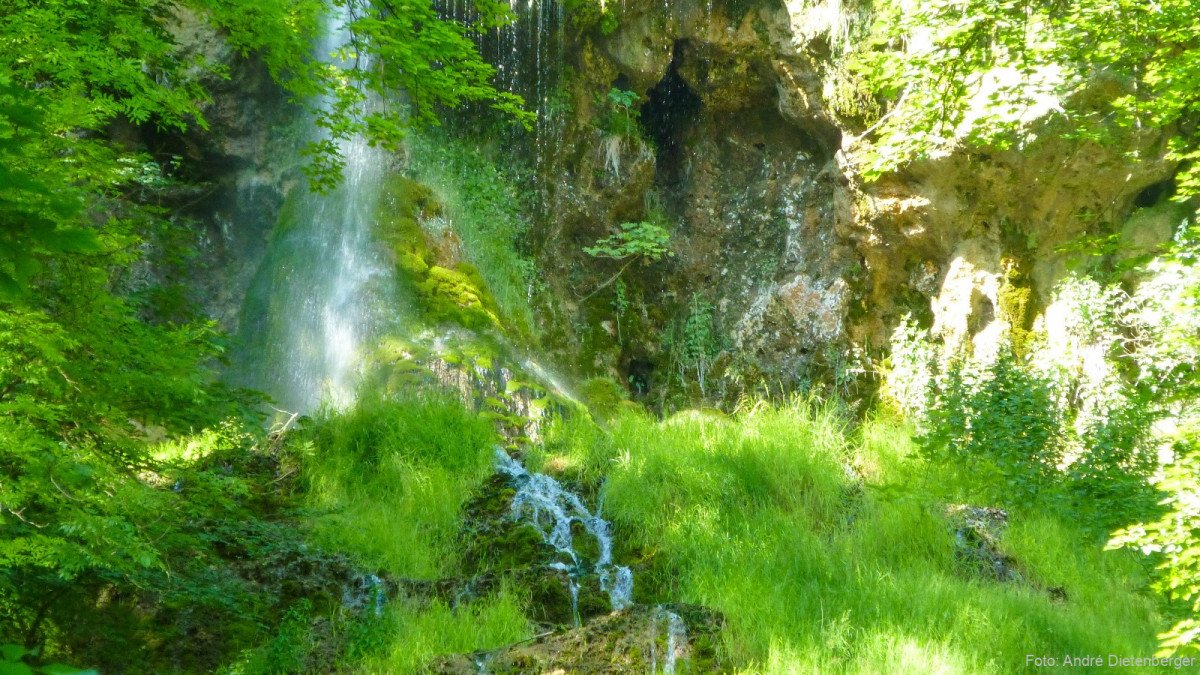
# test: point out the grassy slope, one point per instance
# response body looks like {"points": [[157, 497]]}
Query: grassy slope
{"points": [[756, 516], [386, 483]]}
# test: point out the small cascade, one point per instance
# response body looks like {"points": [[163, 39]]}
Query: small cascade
{"points": [[319, 293], [367, 592], [676, 640], [527, 54], [551, 509]]}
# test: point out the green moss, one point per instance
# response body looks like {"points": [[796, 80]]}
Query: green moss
{"points": [[479, 193], [453, 295], [1014, 298], [456, 293], [604, 396]]}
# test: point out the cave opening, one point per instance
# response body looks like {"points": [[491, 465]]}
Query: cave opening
{"points": [[671, 109], [1155, 193]]}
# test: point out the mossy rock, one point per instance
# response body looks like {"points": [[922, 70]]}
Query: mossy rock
{"points": [[493, 542], [457, 295], [549, 593], [633, 641], [1016, 305], [603, 395], [449, 291]]}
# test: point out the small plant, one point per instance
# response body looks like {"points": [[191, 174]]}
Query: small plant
{"points": [[635, 240], [693, 344], [608, 23], [620, 304], [620, 117], [643, 241], [619, 121], [1000, 420]]}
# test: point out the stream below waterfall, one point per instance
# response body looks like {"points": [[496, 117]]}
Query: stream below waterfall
{"points": [[543, 502]]}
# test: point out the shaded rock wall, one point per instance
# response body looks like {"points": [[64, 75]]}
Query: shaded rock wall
{"points": [[736, 157]]}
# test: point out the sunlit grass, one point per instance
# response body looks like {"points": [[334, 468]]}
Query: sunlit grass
{"points": [[408, 638], [764, 517], [387, 480]]}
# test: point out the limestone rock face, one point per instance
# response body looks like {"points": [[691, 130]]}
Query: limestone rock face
{"points": [[785, 257], [773, 224]]}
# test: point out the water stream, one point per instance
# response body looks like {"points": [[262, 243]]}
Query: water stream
{"points": [[676, 632], [320, 293], [544, 503]]}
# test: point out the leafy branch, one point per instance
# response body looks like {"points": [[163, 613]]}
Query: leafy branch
{"points": [[643, 241]]}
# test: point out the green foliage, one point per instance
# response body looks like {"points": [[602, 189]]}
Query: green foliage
{"points": [[1171, 539], [431, 63], [32, 203], [620, 116], [692, 342], [109, 62], [1015, 57], [818, 568], [81, 380], [1001, 421], [409, 637], [643, 240]]}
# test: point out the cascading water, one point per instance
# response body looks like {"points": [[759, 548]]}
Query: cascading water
{"points": [[528, 56], [551, 509], [676, 641], [317, 297]]}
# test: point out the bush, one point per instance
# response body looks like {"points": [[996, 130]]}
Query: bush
{"points": [[998, 425]]}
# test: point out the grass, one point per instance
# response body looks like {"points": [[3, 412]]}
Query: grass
{"points": [[824, 547], [756, 515], [386, 482], [409, 638]]}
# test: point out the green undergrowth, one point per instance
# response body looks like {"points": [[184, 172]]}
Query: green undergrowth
{"points": [[827, 550], [407, 638], [447, 289], [386, 481]]}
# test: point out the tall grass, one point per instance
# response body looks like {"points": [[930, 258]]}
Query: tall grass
{"points": [[387, 480], [408, 638], [764, 516]]}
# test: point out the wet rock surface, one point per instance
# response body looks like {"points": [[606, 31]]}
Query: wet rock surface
{"points": [[977, 533], [639, 640], [527, 531]]}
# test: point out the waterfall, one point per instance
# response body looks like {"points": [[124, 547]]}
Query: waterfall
{"points": [[675, 644], [544, 503], [527, 54], [318, 295]]}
